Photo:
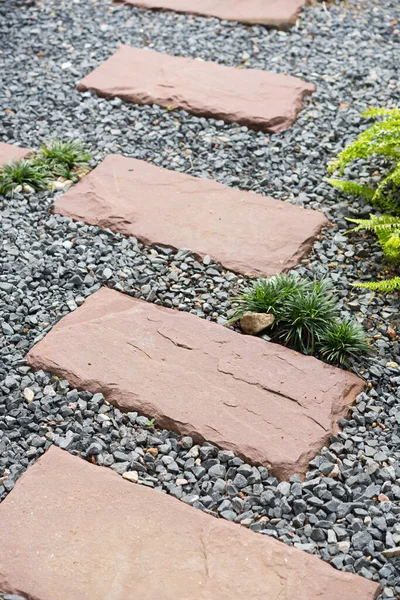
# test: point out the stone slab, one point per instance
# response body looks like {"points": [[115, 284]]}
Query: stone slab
{"points": [[266, 101], [270, 405], [247, 233], [8, 153], [71, 530], [273, 13]]}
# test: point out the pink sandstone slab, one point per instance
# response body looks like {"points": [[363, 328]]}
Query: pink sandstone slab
{"points": [[270, 405], [247, 233], [72, 531], [252, 97], [8, 153], [273, 13]]}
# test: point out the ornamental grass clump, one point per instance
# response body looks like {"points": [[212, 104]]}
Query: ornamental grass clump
{"points": [[63, 158], [306, 317], [22, 172], [267, 295], [57, 159], [342, 341]]}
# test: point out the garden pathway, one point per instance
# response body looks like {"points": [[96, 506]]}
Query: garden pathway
{"points": [[252, 97], [98, 536], [268, 404], [245, 232], [281, 14]]}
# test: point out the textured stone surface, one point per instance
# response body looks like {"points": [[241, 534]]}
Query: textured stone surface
{"points": [[253, 322], [245, 232], [266, 101], [265, 402], [8, 153], [71, 530], [281, 13]]}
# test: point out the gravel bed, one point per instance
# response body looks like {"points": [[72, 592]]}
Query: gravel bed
{"points": [[347, 509]]}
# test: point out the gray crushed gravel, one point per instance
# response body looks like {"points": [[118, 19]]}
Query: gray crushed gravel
{"points": [[347, 510]]}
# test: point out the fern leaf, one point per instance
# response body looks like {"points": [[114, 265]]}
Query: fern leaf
{"points": [[386, 285], [376, 223], [380, 112], [390, 242], [381, 138], [383, 196], [387, 228], [352, 188]]}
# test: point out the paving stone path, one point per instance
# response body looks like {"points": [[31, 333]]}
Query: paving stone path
{"points": [[245, 232], [252, 97], [71, 530], [270, 405], [8, 153], [281, 13]]}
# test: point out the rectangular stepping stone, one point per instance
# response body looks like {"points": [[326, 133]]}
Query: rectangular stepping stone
{"points": [[71, 530], [281, 14], [266, 101], [270, 405], [247, 233], [8, 153]]}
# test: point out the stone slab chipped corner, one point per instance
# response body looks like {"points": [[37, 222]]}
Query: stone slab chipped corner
{"points": [[281, 14], [268, 404], [9, 153], [245, 232], [97, 536], [267, 101]]}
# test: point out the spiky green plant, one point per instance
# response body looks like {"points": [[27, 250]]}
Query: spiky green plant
{"points": [[267, 295], [305, 311], [342, 341], [22, 172], [68, 153], [305, 316], [66, 159], [381, 139]]}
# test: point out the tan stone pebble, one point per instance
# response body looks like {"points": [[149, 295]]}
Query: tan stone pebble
{"points": [[253, 322], [28, 394], [152, 451], [392, 365], [132, 476], [335, 472], [181, 481]]}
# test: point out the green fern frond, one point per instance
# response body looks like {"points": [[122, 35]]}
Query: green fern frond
{"points": [[384, 195], [374, 113], [351, 188], [390, 242], [386, 285], [381, 139], [387, 229], [376, 223]]}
